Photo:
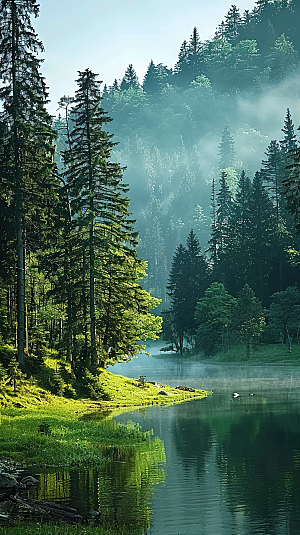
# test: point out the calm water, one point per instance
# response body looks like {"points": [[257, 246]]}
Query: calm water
{"points": [[232, 465]]}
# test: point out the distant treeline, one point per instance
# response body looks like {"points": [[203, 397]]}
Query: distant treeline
{"points": [[171, 125]]}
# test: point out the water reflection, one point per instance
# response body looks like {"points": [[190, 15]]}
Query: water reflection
{"points": [[120, 491], [233, 464]]}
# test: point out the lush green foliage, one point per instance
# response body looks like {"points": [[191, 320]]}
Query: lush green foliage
{"points": [[69, 235]]}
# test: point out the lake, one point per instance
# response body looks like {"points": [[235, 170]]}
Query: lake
{"points": [[231, 467]]}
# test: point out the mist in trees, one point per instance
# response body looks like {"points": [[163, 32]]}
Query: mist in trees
{"points": [[212, 158]]}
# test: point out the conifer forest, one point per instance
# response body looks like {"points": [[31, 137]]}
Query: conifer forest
{"points": [[164, 207]]}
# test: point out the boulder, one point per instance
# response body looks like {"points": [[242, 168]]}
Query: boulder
{"points": [[7, 481], [163, 393], [185, 388], [28, 482]]}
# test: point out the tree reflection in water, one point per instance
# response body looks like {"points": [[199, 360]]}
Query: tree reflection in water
{"points": [[120, 490], [257, 457]]}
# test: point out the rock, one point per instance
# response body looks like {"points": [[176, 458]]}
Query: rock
{"points": [[163, 393], [7, 481], [28, 482], [185, 388], [6, 507]]}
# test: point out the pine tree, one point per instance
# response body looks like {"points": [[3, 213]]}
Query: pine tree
{"points": [[29, 149], [232, 24], [187, 282], [213, 241], [176, 291], [261, 238], [291, 187], [130, 79], [150, 79], [289, 142], [197, 279], [273, 174], [103, 234], [155, 77], [115, 86], [220, 32], [224, 214], [237, 258], [226, 148], [195, 43], [249, 321], [282, 59]]}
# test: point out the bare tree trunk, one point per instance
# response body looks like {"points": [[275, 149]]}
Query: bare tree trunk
{"points": [[19, 203]]}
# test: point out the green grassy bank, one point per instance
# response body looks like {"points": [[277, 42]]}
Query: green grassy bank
{"points": [[40, 428], [262, 354]]}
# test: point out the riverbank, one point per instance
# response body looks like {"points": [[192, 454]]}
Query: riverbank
{"points": [[236, 354], [40, 428]]}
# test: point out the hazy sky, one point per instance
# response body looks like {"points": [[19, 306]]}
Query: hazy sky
{"points": [[107, 35]]}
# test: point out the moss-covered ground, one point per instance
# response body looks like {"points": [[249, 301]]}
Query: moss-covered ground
{"points": [[38, 427]]}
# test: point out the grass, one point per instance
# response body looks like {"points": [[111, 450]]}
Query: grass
{"points": [[79, 429], [264, 354]]}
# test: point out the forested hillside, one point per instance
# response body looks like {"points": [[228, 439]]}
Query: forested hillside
{"points": [[210, 152], [219, 107]]}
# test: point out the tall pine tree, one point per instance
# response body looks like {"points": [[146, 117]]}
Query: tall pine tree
{"points": [[29, 135]]}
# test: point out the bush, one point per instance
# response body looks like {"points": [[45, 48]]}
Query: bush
{"points": [[95, 389], [8, 354], [70, 392], [57, 384]]}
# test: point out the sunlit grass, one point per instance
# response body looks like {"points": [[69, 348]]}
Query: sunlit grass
{"points": [[74, 440]]}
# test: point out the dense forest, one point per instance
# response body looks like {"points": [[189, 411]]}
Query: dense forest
{"points": [[212, 159]]}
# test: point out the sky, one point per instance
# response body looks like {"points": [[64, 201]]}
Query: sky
{"points": [[107, 35]]}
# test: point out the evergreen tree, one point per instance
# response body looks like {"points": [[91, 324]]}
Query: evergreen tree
{"points": [[187, 281], [248, 318], [291, 187], [232, 23], [176, 290], [213, 241], [237, 258], [130, 79], [182, 57], [220, 32], [226, 148], [155, 77], [289, 142], [115, 86], [214, 316], [197, 279], [29, 136], [261, 236], [282, 59], [102, 226], [224, 214], [273, 174], [195, 43], [150, 79]]}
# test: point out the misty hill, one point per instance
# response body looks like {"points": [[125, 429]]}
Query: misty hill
{"points": [[170, 126]]}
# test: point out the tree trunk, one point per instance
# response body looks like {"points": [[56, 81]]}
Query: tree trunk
{"points": [[19, 204], [91, 246]]}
